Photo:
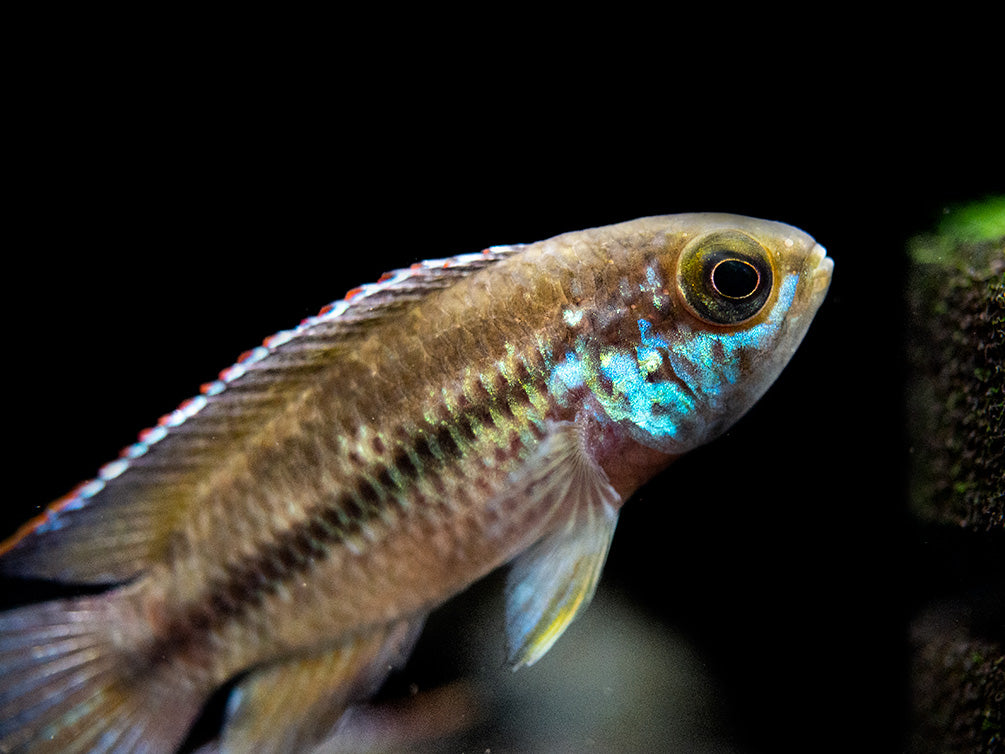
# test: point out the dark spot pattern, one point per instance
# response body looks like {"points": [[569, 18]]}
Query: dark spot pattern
{"points": [[424, 450], [384, 478], [407, 467], [448, 446]]}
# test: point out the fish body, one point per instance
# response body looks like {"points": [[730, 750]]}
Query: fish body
{"points": [[292, 526]]}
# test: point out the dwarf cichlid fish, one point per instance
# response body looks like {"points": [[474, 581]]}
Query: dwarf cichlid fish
{"points": [[289, 529]]}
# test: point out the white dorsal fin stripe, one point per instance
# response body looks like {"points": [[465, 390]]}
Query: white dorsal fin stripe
{"points": [[314, 333]]}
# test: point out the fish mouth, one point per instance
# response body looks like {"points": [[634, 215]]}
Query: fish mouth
{"points": [[822, 266]]}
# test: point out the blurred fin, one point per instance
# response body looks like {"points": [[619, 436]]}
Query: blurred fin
{"points": [[550, 583], [83, 543], [64, 686], [429, 716], [293, 705]]}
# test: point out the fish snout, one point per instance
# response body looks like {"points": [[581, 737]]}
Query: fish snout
{"points": [[822, 266]]}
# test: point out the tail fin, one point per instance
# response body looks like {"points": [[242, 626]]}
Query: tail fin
{"points": [[66, 687]]}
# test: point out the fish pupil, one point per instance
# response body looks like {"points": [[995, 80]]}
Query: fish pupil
{"points": [[735, 278]]}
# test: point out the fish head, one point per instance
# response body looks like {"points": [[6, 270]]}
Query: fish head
{"points": [[727, 301]]}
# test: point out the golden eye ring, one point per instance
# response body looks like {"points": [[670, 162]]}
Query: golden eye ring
{"points": [[735, 278], [725, 277]]}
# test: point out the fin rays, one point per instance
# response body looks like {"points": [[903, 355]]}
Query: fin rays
{"points": [[67, 688], [550, 583], [292, 705]]}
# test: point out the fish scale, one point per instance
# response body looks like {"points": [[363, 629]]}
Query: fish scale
{"points": [[436, 448], [431, 451], [293, 524]]}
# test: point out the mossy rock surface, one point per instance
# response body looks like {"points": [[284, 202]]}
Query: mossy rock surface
{"points": [[958, 681], [956, 369]]}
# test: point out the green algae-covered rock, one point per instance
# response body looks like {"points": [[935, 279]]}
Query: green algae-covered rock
{"points": [[955, 407], [956, 362]]}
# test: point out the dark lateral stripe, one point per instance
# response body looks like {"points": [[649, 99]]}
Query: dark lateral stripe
{"points": [[247, 583], [424, 450], [385, 478], [290, 553], [448, 446], [403, 462]]}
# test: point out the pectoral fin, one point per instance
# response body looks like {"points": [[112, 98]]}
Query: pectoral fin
{"points": [[554, 580], [293, 705]]}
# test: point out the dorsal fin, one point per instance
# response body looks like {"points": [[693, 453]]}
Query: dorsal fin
{"points": [[110, 528]]}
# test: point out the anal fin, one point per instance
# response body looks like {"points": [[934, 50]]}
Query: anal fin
{"points": [[428, 718], [295, 704]]}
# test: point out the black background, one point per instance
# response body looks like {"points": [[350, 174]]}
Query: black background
{"points": [[164, 220]]}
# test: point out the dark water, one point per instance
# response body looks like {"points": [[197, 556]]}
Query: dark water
{"points": [[757, 596]]}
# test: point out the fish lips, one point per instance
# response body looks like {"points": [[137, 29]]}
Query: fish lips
{"points": [[822, 266]]}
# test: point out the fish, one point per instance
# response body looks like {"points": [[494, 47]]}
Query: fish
{"points": [[286, 532]]}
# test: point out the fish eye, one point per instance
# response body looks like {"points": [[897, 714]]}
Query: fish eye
{"points": [[725, 277], [735, 278]]}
